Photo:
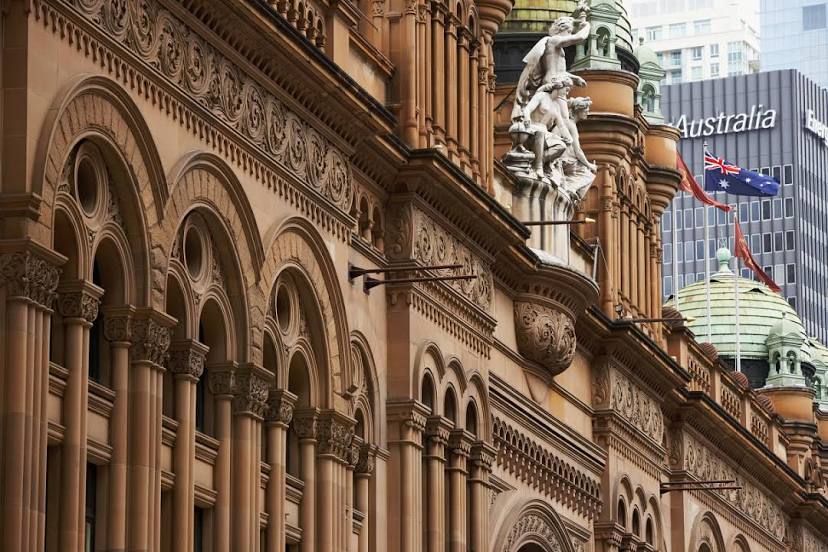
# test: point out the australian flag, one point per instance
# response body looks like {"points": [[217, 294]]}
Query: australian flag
{"points": [[721, 176]]}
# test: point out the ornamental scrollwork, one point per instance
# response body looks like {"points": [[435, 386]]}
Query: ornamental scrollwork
{"points": [[150, 341], [79, 304], [535, 526], [280, 405], [413, 234], [206, 76], [637, 407], [334, 437], [250, 394], [187, 359], [26, 275], [545, 335]]}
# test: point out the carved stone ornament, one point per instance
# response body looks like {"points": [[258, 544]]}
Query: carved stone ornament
{"points": [[545, 335], [29, 276], [280, 407], [81, 304], [187, 359], [367, 457], [333, 437], [414, 235], [546, 153], [118, 327], [151, 340], [169, 46], [535, 528], [250, 394], [637, 407], [305, 423], [221, 382]]}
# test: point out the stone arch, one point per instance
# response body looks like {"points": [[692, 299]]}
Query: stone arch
{"points": [[114, 235], [532, 523], [479, 394], [654, 511], [429, 359], [369, 391], [67, 217], [706, 532], [739, 544], [97, 108], [297, 244]]}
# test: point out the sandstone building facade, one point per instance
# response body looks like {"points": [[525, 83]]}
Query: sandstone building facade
{"points": [[191, 362]]}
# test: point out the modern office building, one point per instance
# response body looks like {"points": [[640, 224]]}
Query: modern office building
{"points": [[699, 39], [774, 123], [794, 35]]}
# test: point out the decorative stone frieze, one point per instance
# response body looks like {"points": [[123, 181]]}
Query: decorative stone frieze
{"points": [[545, 335], [29, 276], [187, 358], [367, 459], [438, 430], [611, 389], [169, 46], [532, 461], [535, 527], [460, 442], [483, 455], [415, 235], [151, 336], [118, 323], [222, 378], [690, 454], [280, 405], [305, 423], [334, 435], [250, 391], [80, 300]]}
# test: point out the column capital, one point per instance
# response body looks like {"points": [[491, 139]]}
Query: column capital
{"points": [[151, 336], [334, 434], [409, 413], [305, 422], [118, 323], [221, 377], [252, 385], [280, 405], [438, 429], [79, 299], [186, 359], [367, 459], [460, 442], [483, 455], [30, 272]]}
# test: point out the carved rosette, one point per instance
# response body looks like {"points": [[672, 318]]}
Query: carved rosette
{"points": [[187, 359], [280, 405], [28, 276], [250, 394], [150, 342], [545, 335], [334, 436]]}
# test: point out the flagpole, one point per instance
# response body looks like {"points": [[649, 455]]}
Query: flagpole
{"points": [[736, 294], [707, 256], [675, 257]]}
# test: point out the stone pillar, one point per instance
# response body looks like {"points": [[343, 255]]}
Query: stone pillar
{"points": [[334, 434], [462, 105], [221, 381], [482, 458], [438, 81], [451, 84], [459, 446], [186, 365], [437, 435], [30, 278], [423, 69], [406, 420], [249, 402], [362, 472], [408, 72], [118, 331], [78, 303], [305, 421], [277, 419], [474, 111], [150, 340]]}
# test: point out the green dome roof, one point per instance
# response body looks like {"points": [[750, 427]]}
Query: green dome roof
{"points": [[645, 54], [762, 312]]}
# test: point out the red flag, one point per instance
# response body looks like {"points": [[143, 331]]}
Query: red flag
{"points": [[689, 184], [743, 252]]}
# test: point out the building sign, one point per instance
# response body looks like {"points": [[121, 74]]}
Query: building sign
{"points": [[757, 119], [816, 126]]}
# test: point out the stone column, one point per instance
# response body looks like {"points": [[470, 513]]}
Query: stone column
{"points": [[186, 365], [362, 472], [78, 303], [438, 81], [451, 84], [30, 278], [408, 72], [460, 446], [221, 380], [484, 109], [482, 458], [118, 331], [406, 421], [305, 421], [462, 105], [474, 111], [334, 434], [249, 402], [437, 435], [423, 31], [277, 419], [150, 340]]}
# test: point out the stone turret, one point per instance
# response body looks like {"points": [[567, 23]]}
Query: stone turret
{"points": [[649, 85]]}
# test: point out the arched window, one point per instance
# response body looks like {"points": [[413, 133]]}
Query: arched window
{"points": [[450, 406], [427, 392], [471, 419], [622, 513], [648, 531], [636, 523]]}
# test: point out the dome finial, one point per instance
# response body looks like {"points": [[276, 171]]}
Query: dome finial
{"points": [[723, 257]]}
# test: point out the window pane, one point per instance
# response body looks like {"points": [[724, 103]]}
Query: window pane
{"points": [[688, 251], [668, 285], [813, 17], [699, 217], [744, 213], [667, 253], [701, 26], [721, 217], [767, 243], [745, 272], [667, 221], [788, 174], [678, 30], [790, 276], [700, 249], [789, 207], [777, 208], [766, 209], [688, 218], [792, 301], [681, 281], [755, 244], [777, 173], [714, 50], [779, 241], [690, 279], [789, 240], [755, 211]]}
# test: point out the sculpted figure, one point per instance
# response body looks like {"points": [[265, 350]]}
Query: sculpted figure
{"points": [[578, 171], [546, 60], [546, 111]]}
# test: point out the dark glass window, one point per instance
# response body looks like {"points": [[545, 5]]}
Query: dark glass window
{"points": [[777, 208], [688, 218], [744, 213], [667, 221], [789, 207], [790, 274], [778, 241], [198, 529], [700, 249], [789, 240], [91, 506], [792, 301], [767, 243], [755, 211], [756, 244], [766, 209], [813, 17], [777, 173], [788, 174]]}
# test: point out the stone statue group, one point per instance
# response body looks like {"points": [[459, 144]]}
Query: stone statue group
{"points": [[546, 150]]}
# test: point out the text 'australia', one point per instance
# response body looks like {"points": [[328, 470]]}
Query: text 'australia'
{"points": [[758, 118]]}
